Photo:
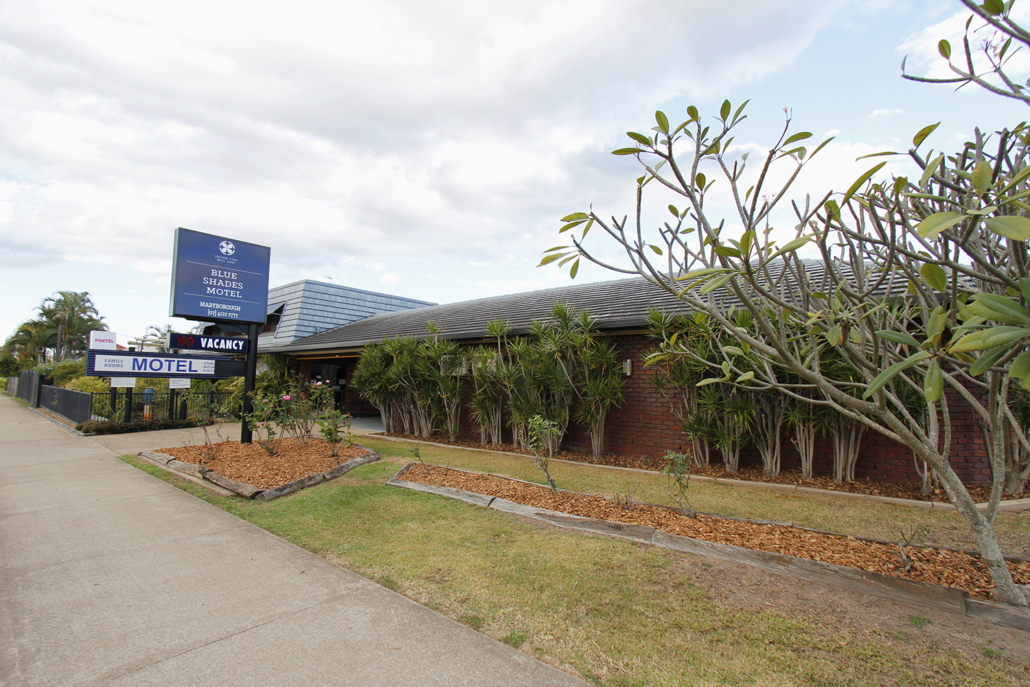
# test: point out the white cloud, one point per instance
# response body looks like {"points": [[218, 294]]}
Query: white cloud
{"points": [[887, 112], [355, 137]]}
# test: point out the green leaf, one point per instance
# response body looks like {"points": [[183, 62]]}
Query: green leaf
{"points": [[663, 121], [980, 177], [1023, 174], [944, 48], [576, 216], [710, 380], [704, 272], [674, 211], [575, 269], [821, 146], [933, 383], [724, 111], [1004, 48], [1020, 367], [727, 252], [789, 247], [640, 138], [938, 222], [858, 183], [891, 372], [989, 338], [733, 350], [834, 335], [934, 276], [931, 168], [548, 259], [898, 337], [692, 112], [800, 136], [991, 306], [716, 283], [700, 180], [746, 377], [1010, 226], [986, 361], [926, 130], [883, 154], [1024, 288], [993, 7], [656, 249], [626, 151]]}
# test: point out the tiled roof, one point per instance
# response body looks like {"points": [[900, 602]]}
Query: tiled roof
{"points": [[617, 304]]}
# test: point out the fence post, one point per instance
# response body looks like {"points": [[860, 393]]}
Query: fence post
{"points": [[113, 402], [172, 393], [128, 405]]}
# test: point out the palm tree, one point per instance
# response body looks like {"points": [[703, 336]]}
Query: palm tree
{"points": [[73, 315]]}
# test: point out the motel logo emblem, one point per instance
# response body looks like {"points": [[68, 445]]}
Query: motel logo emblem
{"points": [[226, 247]]}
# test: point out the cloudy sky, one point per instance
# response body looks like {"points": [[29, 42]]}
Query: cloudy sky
{"points": [[425, 149]]}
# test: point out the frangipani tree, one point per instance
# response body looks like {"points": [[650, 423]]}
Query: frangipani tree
{"points": [[919, 284]]}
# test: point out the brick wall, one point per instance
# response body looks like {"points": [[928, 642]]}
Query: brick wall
{"points": [[644, 425]]}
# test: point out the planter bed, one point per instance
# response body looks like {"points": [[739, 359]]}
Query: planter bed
{"points": [[248, 470], [789, 479], [942, 577]]}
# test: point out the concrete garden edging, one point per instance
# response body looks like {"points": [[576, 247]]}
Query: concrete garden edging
{"points": [[246, 490], [945, 599]]}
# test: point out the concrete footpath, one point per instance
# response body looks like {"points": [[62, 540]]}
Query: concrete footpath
{"points": [[110, 576]]}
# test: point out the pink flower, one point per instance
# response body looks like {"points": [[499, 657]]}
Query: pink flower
{"points": [[286, 398]]}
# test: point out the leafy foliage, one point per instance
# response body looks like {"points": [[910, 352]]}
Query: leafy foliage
{"points": [[919, 284]]}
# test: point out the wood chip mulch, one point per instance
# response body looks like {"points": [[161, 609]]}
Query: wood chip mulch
{"points": [[934, 566], [251, 464], [909, 491]]}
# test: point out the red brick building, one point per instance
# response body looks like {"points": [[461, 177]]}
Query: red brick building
{"points": [[644, 424]]}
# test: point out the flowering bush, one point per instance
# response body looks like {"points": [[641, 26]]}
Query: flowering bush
{"points": [[295, 414]]}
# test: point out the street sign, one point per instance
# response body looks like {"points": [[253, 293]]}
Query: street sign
{"points": [[216, 279]]}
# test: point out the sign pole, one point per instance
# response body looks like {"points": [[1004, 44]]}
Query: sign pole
{"points": [[249, 383]]}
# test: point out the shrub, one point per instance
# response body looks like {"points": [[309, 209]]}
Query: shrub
{"points": [[93, 385], [65, 373], [106, 427]]}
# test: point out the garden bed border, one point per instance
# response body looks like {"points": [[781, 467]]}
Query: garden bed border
{"points": [[1009, 505], [247, 491], [945, 599]]}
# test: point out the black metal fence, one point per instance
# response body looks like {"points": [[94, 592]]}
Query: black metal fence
{"points": [[29, 383], [74, 405], [135, 405]]}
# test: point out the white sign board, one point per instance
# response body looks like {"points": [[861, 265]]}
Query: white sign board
{"points": [[103, 341], [123, 382], [179, 383], [152, 364]]}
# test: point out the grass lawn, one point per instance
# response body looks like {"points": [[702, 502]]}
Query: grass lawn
{"points": [[619, 613]]}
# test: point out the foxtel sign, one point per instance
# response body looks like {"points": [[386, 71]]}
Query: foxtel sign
{"points": [[134, 364], [217, 279]]}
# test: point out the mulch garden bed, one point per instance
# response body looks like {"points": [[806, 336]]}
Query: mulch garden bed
{"points": [[909, 491], [934, 566], [251, 464]]}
